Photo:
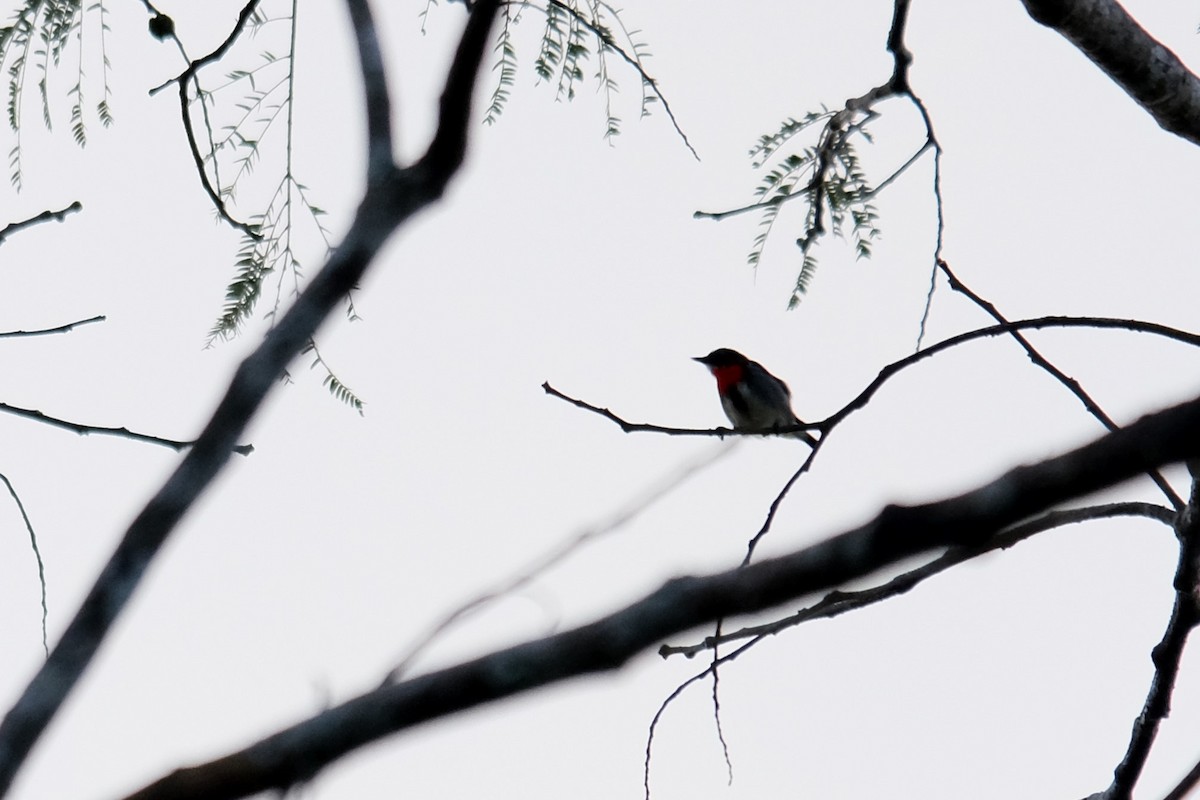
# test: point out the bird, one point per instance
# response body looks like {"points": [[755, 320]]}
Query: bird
{"points": [[752, 397]]}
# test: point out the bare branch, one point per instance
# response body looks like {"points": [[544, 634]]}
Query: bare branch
{"points": [[968, 520], [70, 326], [45, 216], [1073, 386], [85, 430], [559, 554], [379, 104], [1137, 62], [37, 556], [837, 603], [389, 201], [720, 433], [215, 55], [1167, 654]]}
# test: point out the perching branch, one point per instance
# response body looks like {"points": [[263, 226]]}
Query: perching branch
{"points": [[889, 371], [45, 216], [1148, 72], [393, 195], [898, 532]]}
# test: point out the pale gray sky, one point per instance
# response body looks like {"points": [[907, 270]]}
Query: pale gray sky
{"points": [[311, 566]]}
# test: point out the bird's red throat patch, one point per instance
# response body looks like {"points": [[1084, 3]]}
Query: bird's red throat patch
{"points": [[727, 377]]}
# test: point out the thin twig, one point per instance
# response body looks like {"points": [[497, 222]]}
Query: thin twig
{"points": [[37, 556], [70, 326], [560, 553], [1072, 385], [125, 433], [45, 216]]}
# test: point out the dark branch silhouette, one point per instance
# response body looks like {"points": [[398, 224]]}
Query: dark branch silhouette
{"points": [[1167, 654], [1072, 385], [393, 195], [86, 430], [1137, 62], [45, 216], [837, 602], [70, 326], [898, 532]]}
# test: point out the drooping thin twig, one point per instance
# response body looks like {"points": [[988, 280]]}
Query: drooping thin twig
{"points": [[604, 37], [70, 326], [125, 433], [37, 556], [393, 195], [560, 553], [45, 216], [191, 74]]}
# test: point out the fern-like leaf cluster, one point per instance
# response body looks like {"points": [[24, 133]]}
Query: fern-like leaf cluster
{"points": [[32, 46], [825, 176]]}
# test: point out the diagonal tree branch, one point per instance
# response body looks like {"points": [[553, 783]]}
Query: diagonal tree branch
{"points": [[392, 196], [838, 602], [45, 216], [1168, 653], [898, 532], [1148, 72]]}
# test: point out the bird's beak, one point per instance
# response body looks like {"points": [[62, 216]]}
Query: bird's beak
{"points": [[699, 358]]}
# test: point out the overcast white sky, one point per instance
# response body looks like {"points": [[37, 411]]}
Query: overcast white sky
{"points": [[311, 566]]}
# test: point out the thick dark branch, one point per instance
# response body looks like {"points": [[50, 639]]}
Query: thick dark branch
{"points": [[70, 326], [45, 216], [1167, 654], [387, 204], [837, 603], [379, 104], [85, 430], [968, 520], [1148, 72]]}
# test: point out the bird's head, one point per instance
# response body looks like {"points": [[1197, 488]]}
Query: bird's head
{"points": [[722, 357]]}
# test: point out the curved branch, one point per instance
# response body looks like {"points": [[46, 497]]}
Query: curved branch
{"points": [[1168, 653], [390, 199], [968, 520]]}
